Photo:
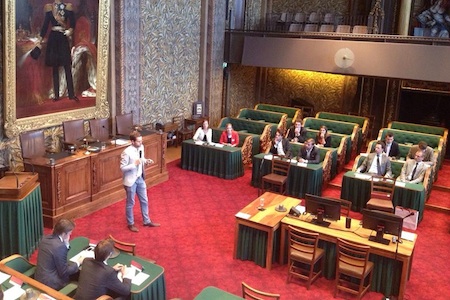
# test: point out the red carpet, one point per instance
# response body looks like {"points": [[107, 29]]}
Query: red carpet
{"points": [[195, 241]]}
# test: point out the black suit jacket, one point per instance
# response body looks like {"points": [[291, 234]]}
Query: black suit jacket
{"points": [[301, 138], [314, 156], [286, 148], [394, 151], [53, 269], [97, 278]]}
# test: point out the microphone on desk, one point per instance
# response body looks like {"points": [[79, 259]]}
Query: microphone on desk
{"points": [[140, 153], [14, 172], [28, 161]]}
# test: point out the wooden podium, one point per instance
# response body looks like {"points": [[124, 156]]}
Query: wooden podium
{"points": [[17, 185]]}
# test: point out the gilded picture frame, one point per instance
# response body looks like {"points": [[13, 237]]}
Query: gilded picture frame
{"points": [[15, 125]]}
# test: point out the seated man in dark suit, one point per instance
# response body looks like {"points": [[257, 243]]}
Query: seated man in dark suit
{"points": [[309, 153], [391, 147], [53, 269], [297, 133], [376, 163], [98, 278], [280, 145]]}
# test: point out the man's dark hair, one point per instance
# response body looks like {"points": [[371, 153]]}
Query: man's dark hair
{"points": [[383, 145], [280, 131], [134, 135], [422, 145], [103, 249], [63, 226], [389, 134]]}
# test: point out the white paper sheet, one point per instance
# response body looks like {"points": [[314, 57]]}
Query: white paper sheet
{"points": [[304, 165], [363, 176], [409, 236], [121, 142], [13, 293], [140, 278], [242, 215], [4, 277], [87, 253], [400, 184], [268, 156]]}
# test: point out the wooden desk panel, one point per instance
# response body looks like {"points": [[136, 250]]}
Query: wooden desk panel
{"points": [[82, 183]]}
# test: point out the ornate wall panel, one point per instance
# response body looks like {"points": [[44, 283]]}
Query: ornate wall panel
{"points": [[242, 88], [217, 28], [326, 91], [129, 54], [323, 6], [169, 42]]}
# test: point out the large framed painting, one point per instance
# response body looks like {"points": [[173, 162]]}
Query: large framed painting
{"points": [[56, 62]]}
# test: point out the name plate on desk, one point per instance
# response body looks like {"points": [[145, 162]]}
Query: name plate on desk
{"points": [[17, 184]]}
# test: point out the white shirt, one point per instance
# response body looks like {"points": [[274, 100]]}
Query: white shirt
{"points": [[280, 148], [373, 168]]}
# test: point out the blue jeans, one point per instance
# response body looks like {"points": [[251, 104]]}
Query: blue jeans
{"points": [[139, 188]]}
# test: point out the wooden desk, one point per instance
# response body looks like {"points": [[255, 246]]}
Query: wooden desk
{"points": [[21, 223], [357, 191], [383, 256], [301, 180], [255, 227], [82, 183], [30, 282]]}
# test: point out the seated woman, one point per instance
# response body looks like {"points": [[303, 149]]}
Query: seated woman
{"points": [[229, 137], [203, 133], [323, 138]]}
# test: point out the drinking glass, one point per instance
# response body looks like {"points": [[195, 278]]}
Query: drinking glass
{"points": [[261, 202]]}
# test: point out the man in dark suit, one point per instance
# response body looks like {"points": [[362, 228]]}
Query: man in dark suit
{"points": [[391, 146], [297, 133], [280, 145], [309, 153], [98, 278], [53, 269], [376, 163]]}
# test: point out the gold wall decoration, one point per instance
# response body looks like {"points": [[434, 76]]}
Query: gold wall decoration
{"points": [[327, 92], [14, 125], [308, 6]]}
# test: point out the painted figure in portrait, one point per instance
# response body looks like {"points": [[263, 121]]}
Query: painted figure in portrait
{"points": [[56, 52], [437, 18]]}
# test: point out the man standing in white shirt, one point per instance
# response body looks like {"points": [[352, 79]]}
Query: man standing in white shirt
{"points": [[132, 162]]}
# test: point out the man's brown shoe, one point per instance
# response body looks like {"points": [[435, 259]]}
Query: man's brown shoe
{"points": [[151, 224], [133, 228]]}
